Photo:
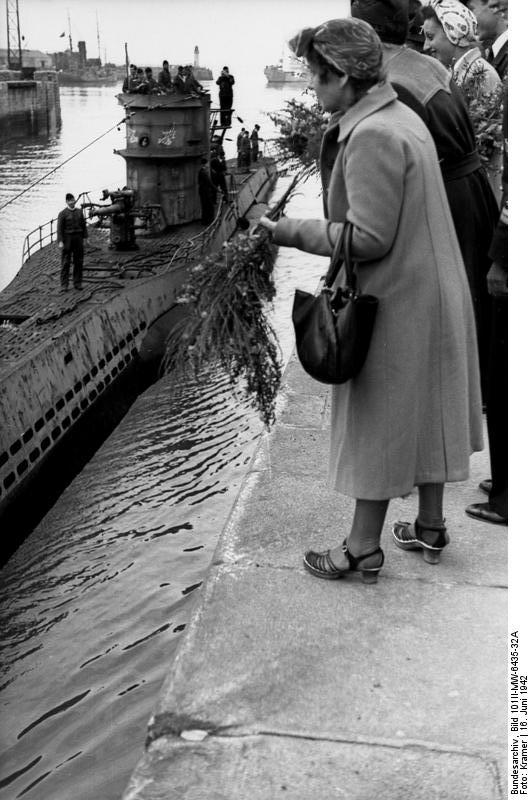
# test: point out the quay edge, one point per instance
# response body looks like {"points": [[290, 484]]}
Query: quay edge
{"points": [[284, 686], [29, 105]]}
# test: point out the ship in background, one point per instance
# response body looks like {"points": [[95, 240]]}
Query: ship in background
{"points": [[74, 68], [289, 69]]}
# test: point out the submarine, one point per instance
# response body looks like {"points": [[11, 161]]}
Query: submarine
{"points": [[61, 354]]}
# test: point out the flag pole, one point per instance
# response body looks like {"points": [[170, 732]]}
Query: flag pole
{"points": [[127, 65]]}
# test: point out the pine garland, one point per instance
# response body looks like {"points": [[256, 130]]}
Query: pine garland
{"points": [[226, 296], [301, 127]]}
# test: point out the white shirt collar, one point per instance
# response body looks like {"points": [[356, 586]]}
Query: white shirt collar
{"points": [[498, 43]]}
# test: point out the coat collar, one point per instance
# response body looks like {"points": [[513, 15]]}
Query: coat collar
{"points": [[380, 95]]}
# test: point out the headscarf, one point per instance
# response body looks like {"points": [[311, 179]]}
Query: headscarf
{"points": [[350, 45], [458, 22]]}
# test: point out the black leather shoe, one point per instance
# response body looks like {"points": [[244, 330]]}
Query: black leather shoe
{"points": [[485, 486], [486, 513]]}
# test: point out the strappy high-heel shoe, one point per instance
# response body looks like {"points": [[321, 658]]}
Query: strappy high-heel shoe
{"points": [[321, 565], [410, 536]]}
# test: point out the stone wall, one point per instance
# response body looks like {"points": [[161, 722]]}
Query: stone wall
{"points": [[29, 107]]}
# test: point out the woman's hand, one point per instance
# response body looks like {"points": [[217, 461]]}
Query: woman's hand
{"points": [[267, 223]]}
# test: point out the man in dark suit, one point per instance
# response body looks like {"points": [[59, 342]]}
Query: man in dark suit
{"points": [[492, 19], [496, 509], [71, 232]]}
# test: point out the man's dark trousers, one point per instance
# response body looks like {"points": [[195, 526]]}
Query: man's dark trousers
{"points": [[73, 247], [497, 407]]}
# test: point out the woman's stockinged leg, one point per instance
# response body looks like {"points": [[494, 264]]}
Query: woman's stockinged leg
{"points": [[428, 533], [368, 521], [430, 510], [365, 534]]}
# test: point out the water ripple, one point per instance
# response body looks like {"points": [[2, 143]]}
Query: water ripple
{"points": [[52, 712], [91, 604]]}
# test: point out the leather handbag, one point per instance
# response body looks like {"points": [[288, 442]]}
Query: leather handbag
{"points": [[334, 328]]}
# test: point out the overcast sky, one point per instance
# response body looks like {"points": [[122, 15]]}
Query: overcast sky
{"points": [[233, 32]]}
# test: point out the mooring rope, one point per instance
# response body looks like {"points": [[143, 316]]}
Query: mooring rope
{"points": [[43, 177]]}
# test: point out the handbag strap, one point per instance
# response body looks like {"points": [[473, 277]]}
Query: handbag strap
{"points": [[342, 254]]}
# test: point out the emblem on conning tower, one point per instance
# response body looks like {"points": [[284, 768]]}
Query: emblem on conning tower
{"points": [[168, 137]]}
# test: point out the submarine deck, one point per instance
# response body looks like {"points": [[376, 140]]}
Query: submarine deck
{"points": [[33, 309]]}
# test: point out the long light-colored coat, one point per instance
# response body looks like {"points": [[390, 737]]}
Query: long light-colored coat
{"points": [[413, 414]]}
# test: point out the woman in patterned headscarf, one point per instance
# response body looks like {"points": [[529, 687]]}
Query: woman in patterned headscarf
{"points": [[451, 36], [413, 414]]}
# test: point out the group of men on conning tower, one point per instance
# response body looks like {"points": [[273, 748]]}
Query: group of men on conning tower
{"points": [[141, 81]]}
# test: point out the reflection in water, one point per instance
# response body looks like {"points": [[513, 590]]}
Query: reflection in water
{"points": [[94, 601], [86, 113]]}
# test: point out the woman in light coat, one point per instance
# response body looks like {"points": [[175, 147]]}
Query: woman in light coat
{"points": [[412, 417]]}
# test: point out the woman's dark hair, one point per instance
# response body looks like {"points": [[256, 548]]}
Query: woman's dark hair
{"points": [[324, 69], [388, 18], [428, 12]]}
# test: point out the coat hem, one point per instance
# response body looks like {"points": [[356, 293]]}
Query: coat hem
{"points": [[399, 491]]}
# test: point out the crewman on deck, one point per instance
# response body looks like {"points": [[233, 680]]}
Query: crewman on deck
{"points": [[129, 79], [151, 86], [165, 80], [191, 84], [255, 139], [225, 82], [71, 233], [138, 84], [179, 81], [207, 193]]}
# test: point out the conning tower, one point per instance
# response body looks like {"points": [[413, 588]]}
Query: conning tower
{"points": [[167, 135]]}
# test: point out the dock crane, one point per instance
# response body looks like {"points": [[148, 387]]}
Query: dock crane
{"points": [[14, 46]]}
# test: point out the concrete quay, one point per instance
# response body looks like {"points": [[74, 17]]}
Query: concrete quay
{"points": [[286, 686], [29, 106]]}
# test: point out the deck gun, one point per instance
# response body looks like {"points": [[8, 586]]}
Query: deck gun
{"points": [[122, 217]]}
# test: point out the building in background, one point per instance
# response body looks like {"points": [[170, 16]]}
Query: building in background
{"points": [[30, 58]]}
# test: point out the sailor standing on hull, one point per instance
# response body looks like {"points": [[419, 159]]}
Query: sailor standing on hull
{"points": [[71, 231]]}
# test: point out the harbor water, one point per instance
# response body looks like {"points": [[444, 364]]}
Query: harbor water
{"points": [[89, 113], [93, 602]]}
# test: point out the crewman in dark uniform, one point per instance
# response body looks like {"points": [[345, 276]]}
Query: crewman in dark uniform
{"points": [[207, 193], [165, 80], [179, 81], [130, 79], [71, 231], [254, 143], [225, 81]]}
